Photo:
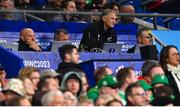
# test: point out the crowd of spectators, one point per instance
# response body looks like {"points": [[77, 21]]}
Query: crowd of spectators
{"points": [[69, 85], [66, 6]]}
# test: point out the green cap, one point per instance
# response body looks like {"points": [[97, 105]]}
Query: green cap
{"points": [[160, 79], [93, 93], [88, 1], [144, 85], [109, 81]]}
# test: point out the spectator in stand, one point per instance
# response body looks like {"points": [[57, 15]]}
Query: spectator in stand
{"points": [[13, 89], [151, 68], [102, 100], [99, 33], [114, 102], [84, 101], [159, 80], [101, 72], [143, 38], [31, 73], [48, 83], [2, 98], [164, 91], [53, 98], [27, 41], [162, 101], [127, 9], [148, 89], [9, 5], [145, 70], [84, 82], [114, 6], [100, 4], [135, 95], [72, 82], [169, 60], [55, 4], [125, 76], [94, 18], [22, 4], [70, 59], [68, 6], [61, 35], [69, 99], [28, 88], [163, 96], [164, 6], [3, 79], [49, 72], [19, 101], [36, 99], [81, 4], [108, 85]]}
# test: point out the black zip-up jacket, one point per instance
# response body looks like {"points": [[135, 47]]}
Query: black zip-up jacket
{"points": [[95, 36], [65, 67], [24, 47], [174, 87]]}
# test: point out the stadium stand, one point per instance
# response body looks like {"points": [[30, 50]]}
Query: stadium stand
{"points": [[101, 78]]}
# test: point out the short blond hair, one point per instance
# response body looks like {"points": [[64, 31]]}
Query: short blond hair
{"points": [[26, 71]]}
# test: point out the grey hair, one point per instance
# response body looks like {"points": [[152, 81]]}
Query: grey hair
{"points": [[108, 11], [48, 97]]}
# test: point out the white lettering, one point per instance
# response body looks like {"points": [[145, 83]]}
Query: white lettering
{"points": [[37, 64]]}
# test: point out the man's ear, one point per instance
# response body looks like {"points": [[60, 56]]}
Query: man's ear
{"points": [[67, 56], [102, 90], [139, 39], [128, 80], [129, 99], [104, 18]]}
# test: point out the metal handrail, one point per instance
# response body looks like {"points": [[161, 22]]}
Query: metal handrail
{"points": [[154, 15], [93, 13]]}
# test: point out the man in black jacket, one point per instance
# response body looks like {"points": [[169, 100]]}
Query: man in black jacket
{"points": [[27, 41], [99, 33], [70, 60]]}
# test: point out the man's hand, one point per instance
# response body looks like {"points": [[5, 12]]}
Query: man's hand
{"points": [[33, 45]]}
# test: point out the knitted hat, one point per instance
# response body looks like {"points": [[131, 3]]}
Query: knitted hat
{"points": [[109, 81], [144, 85], [160, 79]]}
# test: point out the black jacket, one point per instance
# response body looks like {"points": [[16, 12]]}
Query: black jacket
{"points": [[173, 85], [95, 36], [24, 47], [64, 68]]}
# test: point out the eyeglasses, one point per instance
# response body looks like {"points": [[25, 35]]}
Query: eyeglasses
{"points": [[139, 94], [175, 54]]}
